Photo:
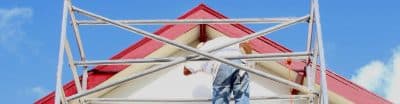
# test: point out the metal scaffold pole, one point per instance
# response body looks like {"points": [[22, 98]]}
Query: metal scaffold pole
{"points": [[324, 86], [79, 43], [130, 100], [58, 93], [193, 21], [259, 57]]}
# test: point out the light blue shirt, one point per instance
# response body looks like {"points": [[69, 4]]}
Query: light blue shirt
{"points": [[213, 66]]}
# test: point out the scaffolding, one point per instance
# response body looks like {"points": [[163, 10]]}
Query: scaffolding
{"points": [[313, 54]]}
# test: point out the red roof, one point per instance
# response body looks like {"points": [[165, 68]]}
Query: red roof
{"points": [[144, 47]]}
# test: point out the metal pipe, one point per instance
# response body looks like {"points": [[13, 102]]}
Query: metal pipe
{"points": [[279, 58], [310, 27], [308, 45], [63, 98], [314, 65], [85, 78], [324, 87], [179, 60], [77, 33], [80, 45], [289, 97], [63, 33], [259, 57], [72, 66], [192, 21]]}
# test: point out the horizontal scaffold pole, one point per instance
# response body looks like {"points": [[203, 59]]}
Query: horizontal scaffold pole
{"points": [[193, 21], [126, 100], [251, 57]]}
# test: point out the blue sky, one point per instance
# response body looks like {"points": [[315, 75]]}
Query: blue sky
{"points": [[361, 37]]}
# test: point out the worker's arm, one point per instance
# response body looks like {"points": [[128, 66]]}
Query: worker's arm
{"points": [[195, 67]]}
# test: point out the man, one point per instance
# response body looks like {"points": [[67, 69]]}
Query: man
{"points": [[227, 79]]}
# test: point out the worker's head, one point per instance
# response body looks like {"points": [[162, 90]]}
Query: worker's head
{"points": [[245, 47]]}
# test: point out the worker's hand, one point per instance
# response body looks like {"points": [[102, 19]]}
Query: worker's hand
{"points": [[186, 71]]}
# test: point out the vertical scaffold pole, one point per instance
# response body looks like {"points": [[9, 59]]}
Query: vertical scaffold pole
{"points": [[61, 54], [324, 87], [80, 45], [310, 79], [310, 70]]}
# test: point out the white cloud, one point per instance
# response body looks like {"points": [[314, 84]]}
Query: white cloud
{"points": [[39, 91], [13, 39], [382, 78], [393, 90], [370, 75]]}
